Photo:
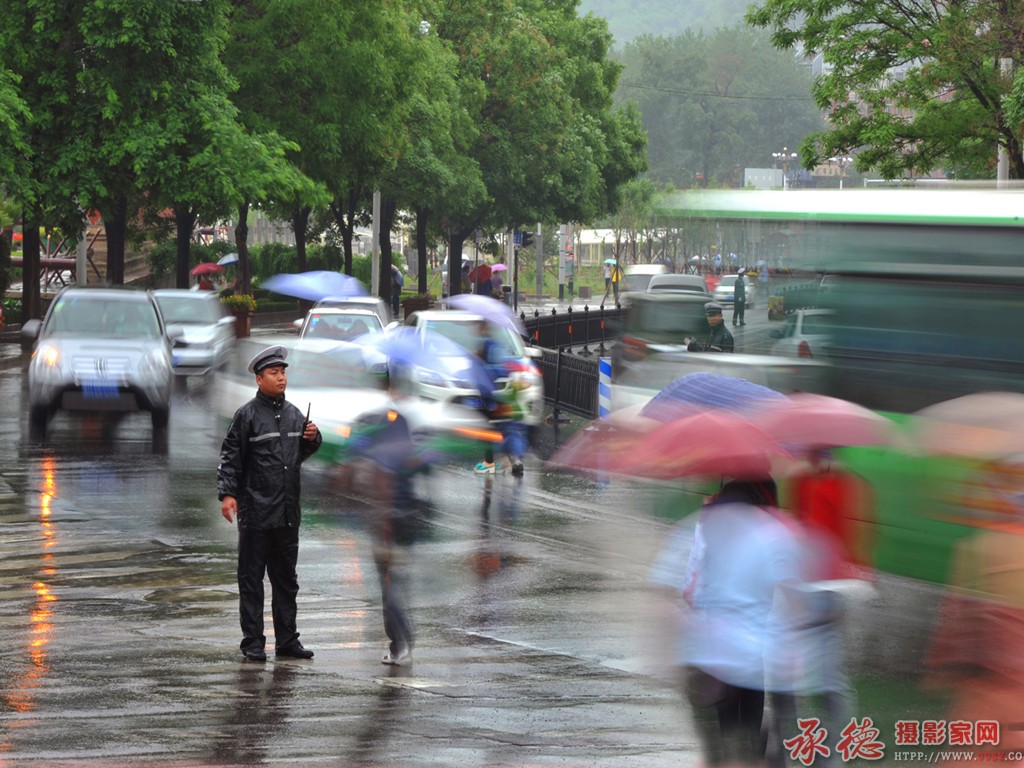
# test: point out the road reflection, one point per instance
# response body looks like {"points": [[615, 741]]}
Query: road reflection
{"points": [[263, 699], [20, 696]]}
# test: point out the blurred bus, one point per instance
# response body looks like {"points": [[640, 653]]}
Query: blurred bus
{"points": [[926, 292], [925, 285]]}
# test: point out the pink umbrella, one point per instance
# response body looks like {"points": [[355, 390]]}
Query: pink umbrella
{"points": [[710, 443], [498, 268], [817, 421]]}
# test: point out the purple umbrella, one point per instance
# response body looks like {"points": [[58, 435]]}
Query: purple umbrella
{"points": [[489, 309], [315, 285]]}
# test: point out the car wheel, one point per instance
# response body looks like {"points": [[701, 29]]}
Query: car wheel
{"points": [[160, 416]]}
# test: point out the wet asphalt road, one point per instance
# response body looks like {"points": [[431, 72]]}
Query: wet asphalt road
{"points": [[538, 641]]}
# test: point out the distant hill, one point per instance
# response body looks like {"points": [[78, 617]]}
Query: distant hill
{"points": [[628, 19]]}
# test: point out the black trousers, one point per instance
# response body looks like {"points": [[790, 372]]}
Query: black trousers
{"points": [[737, 311], [272, 552]]}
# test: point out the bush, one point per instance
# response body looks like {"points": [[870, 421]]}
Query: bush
{"points": [[238, 302]]}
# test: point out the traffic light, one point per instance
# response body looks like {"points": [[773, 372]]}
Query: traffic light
{"points": [[527, 240]]}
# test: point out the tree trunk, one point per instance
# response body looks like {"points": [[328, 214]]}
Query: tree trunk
{"points": [[185, 221], [388, 207], [346, 227], [116, 224], [31, 305], [242, 248], [300, 221], [422, 217], [455, 241]]}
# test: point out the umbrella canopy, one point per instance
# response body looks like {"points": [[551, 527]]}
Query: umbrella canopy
{"points": [[432, 352], [610, 261], [480, 273], [399, 277], [499, 268], [315, 285], [228, 259], [716, 443], [701, 391], [492, 310], [206, 268], [986, 425], [599, 447], [816, 421]]}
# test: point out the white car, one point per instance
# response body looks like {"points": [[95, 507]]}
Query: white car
{"points": [[372, 303], [724, 292], [100, 349], [805, 334], [523, 375], [339, 383], [678, 283], [208, 330], [338, 324]]}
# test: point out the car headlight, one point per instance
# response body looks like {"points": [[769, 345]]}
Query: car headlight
{"points": [[47, 361]]}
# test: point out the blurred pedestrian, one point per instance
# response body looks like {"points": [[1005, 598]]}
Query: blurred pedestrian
{"points": [[504, 410], [739, 299], [718, 338], [383, 469], [743, 561], [258, 485]]}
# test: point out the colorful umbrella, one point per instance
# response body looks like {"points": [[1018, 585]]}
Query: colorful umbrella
{"points": [[701, 391], [480, 273], [315, 285], [716, 443], [206, 268], [817, 421], [490, 309], [986, 425]]}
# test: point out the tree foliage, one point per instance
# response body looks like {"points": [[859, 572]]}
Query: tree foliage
{"points": [[909, 88], [713, 104]]}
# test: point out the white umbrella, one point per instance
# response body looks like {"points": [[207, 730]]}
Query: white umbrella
{"points": [[230, 258]]}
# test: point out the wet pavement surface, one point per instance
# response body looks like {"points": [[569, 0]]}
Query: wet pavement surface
{"points": [[538, 639]]}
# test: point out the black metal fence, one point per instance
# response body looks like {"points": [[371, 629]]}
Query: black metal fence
{"points": [[589, 330], [570, 382]]}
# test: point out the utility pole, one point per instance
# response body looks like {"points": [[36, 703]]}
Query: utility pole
{"points": [[539, 245], [1003, 166], [561, 262], [375, 252]]}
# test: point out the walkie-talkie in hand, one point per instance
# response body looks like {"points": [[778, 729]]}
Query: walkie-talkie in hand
{"points": [[306, 422]]}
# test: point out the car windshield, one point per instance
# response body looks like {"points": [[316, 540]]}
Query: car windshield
{"points": [[678, 285], [638, 282], [727, 281], [189, 310], [464, 332], [104, 317], [340, 326]]}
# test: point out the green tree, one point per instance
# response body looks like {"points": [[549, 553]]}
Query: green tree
{"points": [[909, 89], [715, 103]]}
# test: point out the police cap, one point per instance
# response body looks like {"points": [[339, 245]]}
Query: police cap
{"points": [[712, 308], [268, 357]]}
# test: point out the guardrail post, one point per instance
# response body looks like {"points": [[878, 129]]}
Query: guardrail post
{"points": [[601, 350], [556, 414], [554, 329], [569, 309], [586, 338], [536, 328]]}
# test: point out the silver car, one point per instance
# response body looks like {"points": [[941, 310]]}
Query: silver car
{"points": [[100, 349], [208, 330]]}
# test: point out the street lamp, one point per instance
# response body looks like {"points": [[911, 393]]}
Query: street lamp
{"points": [[784, 157], [842, 161]]}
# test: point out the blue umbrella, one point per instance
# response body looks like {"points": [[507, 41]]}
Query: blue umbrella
{"points": [[701, 391], [437, 357], [489, 309], [315, 285], [399, 277]]}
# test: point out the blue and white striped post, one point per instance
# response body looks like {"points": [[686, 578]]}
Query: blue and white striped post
{"points": [[604, 387]]}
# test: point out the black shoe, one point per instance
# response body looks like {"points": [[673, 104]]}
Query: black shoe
{"points": [[517, 469], [254, 654], [295, 651], [742, 323]]}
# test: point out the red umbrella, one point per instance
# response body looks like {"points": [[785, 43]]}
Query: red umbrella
{"points": [[599, 447], [206, 268], [480, 273], [817, 421], [710, 443]]}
